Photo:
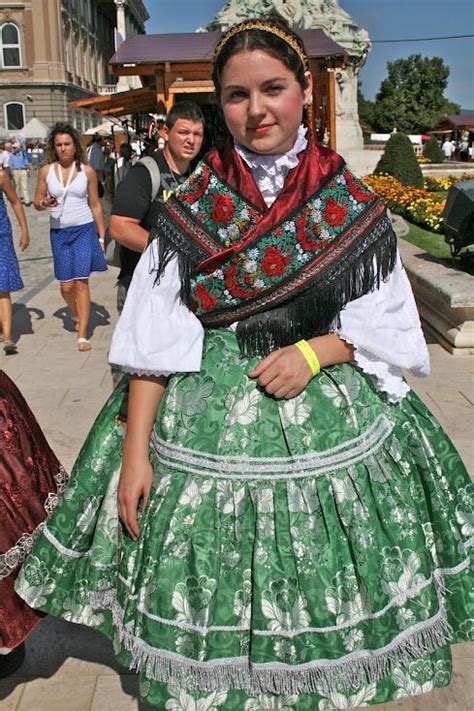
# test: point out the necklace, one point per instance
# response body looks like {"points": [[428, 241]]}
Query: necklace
{"points": [[69, 176], [171, 170]]}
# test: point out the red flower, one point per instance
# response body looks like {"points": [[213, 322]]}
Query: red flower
{"points": [[334, 214], [224, 208], [358, 194], [208, 302], [232, 284], [274, 262], [311, 245], [357, 191]]}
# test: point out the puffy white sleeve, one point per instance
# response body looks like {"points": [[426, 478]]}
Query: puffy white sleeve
{"points": [[156, 333], [385, 330]]}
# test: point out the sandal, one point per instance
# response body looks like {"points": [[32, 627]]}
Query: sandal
{"points": [[83, 345], [9, 347]]}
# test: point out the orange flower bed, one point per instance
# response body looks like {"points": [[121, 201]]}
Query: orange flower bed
{"points": [[424, 207], [420, 206]]}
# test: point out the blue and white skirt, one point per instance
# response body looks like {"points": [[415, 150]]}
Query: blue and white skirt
{"points": [[76, 252], [10, 277]]}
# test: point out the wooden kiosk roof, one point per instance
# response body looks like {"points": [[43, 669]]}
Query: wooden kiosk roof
{"points": [[179, 63], [143, 50]]}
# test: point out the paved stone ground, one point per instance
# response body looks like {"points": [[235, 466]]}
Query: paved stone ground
{"points": [[69, 667]]}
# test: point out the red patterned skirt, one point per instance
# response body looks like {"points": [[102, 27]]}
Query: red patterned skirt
{"points": [[31, 482]]}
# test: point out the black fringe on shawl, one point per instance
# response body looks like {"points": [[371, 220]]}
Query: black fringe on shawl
{"points": [[173, 242], [311, 312], [315, 311]]}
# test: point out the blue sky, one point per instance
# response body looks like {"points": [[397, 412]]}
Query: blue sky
{"points": [[383, 19]]}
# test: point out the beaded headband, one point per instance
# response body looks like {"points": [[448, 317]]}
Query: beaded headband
{"points": [[259, 25]]}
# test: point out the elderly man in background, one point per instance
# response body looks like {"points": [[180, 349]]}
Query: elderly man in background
{"points": [[19, 167]]}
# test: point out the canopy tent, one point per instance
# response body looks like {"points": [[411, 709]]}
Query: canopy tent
{"points": [[35, 129], [107, 128]]}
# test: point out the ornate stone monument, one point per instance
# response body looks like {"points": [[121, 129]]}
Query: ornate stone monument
{"points": [[337, 24]]}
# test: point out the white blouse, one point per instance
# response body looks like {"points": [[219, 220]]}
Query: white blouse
{"points": [[73, 206], [158, 335]]}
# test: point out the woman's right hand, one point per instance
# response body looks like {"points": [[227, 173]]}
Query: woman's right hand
{"points": [[48, 201], [135, 482]]}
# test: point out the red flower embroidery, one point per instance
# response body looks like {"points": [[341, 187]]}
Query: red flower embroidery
{"points": [[208, 302], [311, 245], [358, 194], [274, 263], [230, 277], [196, 185], [334, 214], [224, 208]]}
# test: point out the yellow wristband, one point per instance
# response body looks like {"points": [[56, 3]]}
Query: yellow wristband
{"points": [[310, 356]]}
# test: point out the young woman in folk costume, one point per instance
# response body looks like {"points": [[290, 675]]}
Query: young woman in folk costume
{"points": [[302, 538]]}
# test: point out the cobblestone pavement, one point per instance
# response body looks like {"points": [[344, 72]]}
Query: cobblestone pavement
{"points": [[72, 668]]}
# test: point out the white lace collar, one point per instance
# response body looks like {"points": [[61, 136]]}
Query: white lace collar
{"points": [[270, 171]]}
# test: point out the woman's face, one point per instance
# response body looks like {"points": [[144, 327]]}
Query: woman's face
{"points": [[64, 147], [262, 101]]}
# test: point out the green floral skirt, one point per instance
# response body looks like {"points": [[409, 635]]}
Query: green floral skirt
{"points": [[296, 555]]}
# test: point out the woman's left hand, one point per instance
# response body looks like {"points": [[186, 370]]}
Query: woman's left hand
{"points": [[284, 373]]}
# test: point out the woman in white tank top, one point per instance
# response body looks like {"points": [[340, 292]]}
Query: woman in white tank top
{"points": [[69, 188]]}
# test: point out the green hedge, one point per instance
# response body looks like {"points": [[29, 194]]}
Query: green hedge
{"points": [[400, 161], [432, 151]]}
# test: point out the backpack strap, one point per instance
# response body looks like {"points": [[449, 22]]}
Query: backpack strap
{"points": [[155, 175]]}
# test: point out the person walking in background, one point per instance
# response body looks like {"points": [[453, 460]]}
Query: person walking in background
{"points": [[95, 159], [19, 167], [447, 149], [10, 278], [109, 166], [31, 483], [69, 188], [122, 164], [299, 525]]}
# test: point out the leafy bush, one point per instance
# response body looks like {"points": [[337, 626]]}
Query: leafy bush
{"points": [[400, 161], [432, 151]]}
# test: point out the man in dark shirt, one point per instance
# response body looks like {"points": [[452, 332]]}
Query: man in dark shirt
{"points": [[134, 212]]}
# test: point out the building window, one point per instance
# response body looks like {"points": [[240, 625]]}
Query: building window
{"points": [[14, 115], [10, 51]]}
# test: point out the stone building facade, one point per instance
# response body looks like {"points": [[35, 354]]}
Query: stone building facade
{"points": [[53, 52]]}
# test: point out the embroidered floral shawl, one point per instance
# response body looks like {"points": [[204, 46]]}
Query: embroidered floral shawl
{"points": [[284, 272]]}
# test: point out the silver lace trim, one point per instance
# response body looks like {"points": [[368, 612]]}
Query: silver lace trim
{"points": [[348, 672], [437, 577], [312, 464], [11, 559]]}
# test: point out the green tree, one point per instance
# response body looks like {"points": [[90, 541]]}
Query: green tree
{"points": [[411, 98], [400, 161]]}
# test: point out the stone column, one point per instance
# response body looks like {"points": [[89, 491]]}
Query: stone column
{"points": [[121, 23]]}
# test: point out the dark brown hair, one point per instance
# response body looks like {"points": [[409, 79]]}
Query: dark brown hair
{"points": [[250, 39], [58, 129], [184, 110]]}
